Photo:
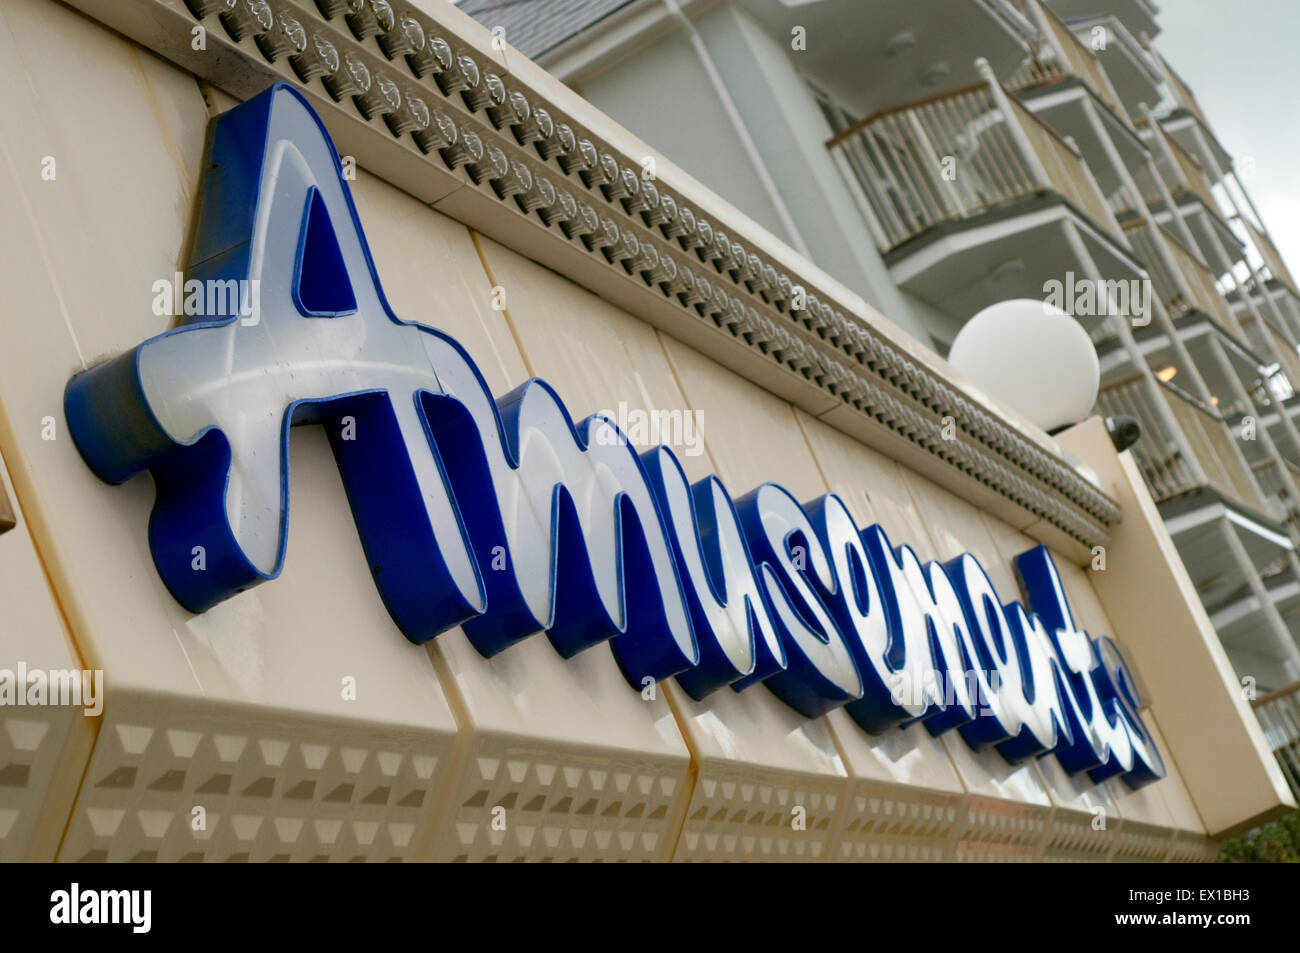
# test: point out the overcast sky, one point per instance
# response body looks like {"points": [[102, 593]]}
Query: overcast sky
{"points": [[1242, 60]]}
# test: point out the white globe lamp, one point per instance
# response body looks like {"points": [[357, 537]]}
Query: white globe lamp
{"points": [[1033, 357]]}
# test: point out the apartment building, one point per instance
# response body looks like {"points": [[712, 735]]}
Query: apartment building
{"points": [[940, 156]]}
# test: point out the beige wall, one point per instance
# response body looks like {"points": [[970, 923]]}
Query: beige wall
{"points": [[238, 711]]}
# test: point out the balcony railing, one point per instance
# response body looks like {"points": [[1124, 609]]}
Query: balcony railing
{"points": [[1191, 176], [1185, 445], [1007, 12], [1183, 97], [1270, 340], [1181, 279], [1281, 296], [958, 156], [1067, 171], [1269, 253], [1058, 53], [1291, 474], [1277, 481], [1279, 716]]}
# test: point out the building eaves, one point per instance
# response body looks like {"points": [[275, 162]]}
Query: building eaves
{"points": [[535, 26]]}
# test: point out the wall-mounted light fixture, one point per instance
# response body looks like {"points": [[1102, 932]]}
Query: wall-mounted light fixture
{"points": [[1033, 357]]}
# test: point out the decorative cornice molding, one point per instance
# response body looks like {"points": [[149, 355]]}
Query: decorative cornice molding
{"points": [[424, 101]]}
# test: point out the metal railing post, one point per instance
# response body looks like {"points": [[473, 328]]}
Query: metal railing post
{"points": [[1138, 359], [1108, 94], [1091, 181], [946, 188], [1166, 195], [1234, 381], [1033, 161], [1285, 643]]}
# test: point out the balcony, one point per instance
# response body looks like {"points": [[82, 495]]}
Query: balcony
{"points": [[1267, 295], [1185, 286], [1279, 482], [1182, 100], [1205, 325], [1181, 116], [1184, 173], [1139, 16], [1239, 559], [1214, 509], [1058, 57], [1064, 84], [1241, 384], [1213, 239], [1107, 142], [1268, 339], [1180, 278], [1279, 716], [1255, 625], [1283, 436], [1268, 253], [1186, 447], [902, 151], [1133, 75], [971, 193]]}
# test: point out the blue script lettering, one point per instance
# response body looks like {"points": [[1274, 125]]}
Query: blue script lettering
{"points": [[505, 517]]}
